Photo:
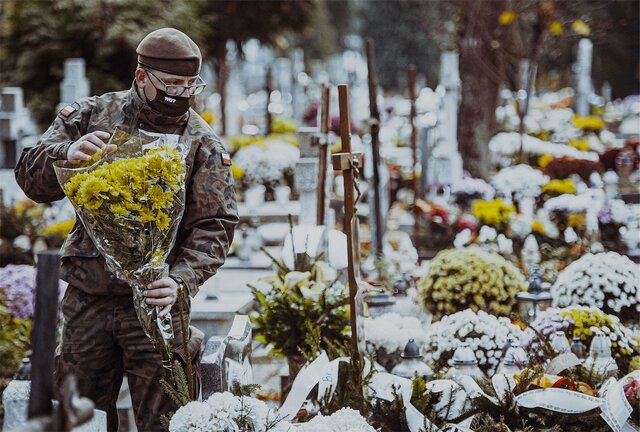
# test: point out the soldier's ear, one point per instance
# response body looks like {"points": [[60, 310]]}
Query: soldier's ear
{"points": [[141, 77]]}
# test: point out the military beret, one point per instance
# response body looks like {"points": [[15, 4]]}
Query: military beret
{"points": [[171, 51]]}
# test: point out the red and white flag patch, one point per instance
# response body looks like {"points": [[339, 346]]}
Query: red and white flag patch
{"points": [[226, 159], [68, 110]]}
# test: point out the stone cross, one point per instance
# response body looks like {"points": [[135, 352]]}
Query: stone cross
{"points": [[583, 81], [350, 164], [450, 80]]}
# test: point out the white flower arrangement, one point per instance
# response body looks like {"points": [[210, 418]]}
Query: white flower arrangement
{"points": [[266, 163], [508, 144], [224, 412], [569, 203], [343, 420], [609, 281], [485, 333], [523, 180], [392, 331], [473, 187]]}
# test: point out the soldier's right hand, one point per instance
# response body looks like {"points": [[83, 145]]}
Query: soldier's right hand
{"points": [[88, 145]]}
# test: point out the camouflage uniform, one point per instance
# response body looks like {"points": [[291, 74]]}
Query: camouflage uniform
{"points": [[102, 337]]}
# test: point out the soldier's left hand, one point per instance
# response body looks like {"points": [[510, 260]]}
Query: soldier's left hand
{"points": [[162, 293]]}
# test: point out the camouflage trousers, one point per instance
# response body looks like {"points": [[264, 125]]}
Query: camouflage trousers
{"points": [[102, 340]]}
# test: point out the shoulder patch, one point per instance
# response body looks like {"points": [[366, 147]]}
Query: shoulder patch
{"points": [[68, 110], [225, 158]]}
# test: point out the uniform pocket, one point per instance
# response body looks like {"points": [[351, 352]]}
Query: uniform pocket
{"points": [[79, 244]]}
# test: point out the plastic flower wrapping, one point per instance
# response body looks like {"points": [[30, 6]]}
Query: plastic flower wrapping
{"points": [[608, 281], [485, 333], [458, 279], [583, 322], [131, 203]]}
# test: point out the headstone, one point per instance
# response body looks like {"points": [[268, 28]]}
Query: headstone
{"points": [[227, 359], [15, 400], [450, 80], [75, 84], [584, 85], [15, 125]]}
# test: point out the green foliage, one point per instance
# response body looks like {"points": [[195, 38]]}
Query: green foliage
{"points": [[37, 35], [14, 340], [284, 317]]}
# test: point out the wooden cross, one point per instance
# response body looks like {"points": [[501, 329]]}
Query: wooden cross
{"points": [[350, 163], [375, 149], [411, 73], [323, 144]]}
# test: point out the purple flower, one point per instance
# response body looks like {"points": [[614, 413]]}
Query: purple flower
{"points": [[604, 215], [18, 289], [547, 323]]}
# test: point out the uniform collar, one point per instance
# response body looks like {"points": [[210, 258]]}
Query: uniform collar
{"points": [[150, 119]]}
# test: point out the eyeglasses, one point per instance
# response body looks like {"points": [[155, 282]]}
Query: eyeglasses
{"points": [[178, 90]]}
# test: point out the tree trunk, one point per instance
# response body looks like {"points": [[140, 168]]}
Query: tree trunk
{"points": [[481, 76], [220, 66]]}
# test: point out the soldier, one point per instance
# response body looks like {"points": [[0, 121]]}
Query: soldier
{"points": [[102, 338]]}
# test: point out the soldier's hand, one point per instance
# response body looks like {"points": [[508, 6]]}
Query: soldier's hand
{"points": [[88, 145], [162, 293]]}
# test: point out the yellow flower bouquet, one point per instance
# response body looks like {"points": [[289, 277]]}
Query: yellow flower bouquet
{"points": [[131, 203]]}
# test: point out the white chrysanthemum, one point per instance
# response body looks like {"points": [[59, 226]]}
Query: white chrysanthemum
{"points": [[570, 203], [522, 180], [473, 186], [392, 331], [508, 144], [195, 417], [266, 163], [344, 420], [585, 281], [485, 333]]}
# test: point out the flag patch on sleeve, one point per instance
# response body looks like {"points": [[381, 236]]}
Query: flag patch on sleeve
{"points": [[68, 110], [226, 159]]}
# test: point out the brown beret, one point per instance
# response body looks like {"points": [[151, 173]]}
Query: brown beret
{"points": [[171, 51]]}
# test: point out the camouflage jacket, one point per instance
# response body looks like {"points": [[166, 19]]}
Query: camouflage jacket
{"points": [[210, 214]]}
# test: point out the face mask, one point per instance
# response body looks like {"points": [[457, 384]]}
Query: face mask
{"points": [[170, 106]]}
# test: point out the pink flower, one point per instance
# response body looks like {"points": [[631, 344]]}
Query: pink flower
{"points": [[632, 392]]}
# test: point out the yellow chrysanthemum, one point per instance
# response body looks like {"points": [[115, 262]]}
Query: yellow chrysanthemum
{"points": [[581, 144], [576, 220], [61, 229], [537, 227], [581, 28], [544, 160], [207, 116], [162, 221], [494, 212], [555, 28], [588, 123], [237, 172], [126, 184], [507, 17], [559, 187]]}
